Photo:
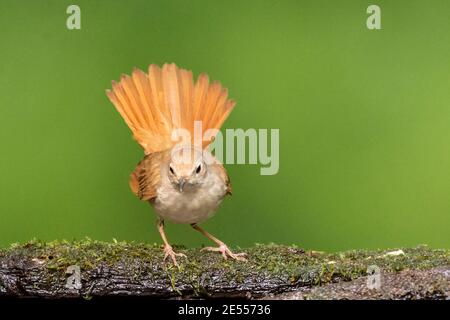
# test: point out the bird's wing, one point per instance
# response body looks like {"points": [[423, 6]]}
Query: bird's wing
{"points": [[220, 169], [146, 177]]}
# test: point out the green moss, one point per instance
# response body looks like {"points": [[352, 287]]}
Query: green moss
{"points": [[288, 265]]}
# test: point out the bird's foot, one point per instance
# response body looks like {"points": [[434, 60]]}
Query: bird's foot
{"points": [[168, 252], [226, 252]]}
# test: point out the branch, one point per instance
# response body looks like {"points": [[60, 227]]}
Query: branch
{"points": [[89, 268]]}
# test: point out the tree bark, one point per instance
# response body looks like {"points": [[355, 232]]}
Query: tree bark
{"points": [[92, 269]]}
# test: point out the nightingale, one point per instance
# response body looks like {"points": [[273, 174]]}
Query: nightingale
{"points": [[183, 181]]}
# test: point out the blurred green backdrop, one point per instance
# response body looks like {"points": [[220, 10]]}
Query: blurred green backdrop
{"points": [[364, 118]]}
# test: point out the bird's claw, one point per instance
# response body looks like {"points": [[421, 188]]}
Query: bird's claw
{"points": [[226, 252], [168, 252]]}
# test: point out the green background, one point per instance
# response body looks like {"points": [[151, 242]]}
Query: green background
{"points": [[364, 118]]}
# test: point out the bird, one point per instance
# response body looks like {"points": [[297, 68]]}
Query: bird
{"points": [[180, 178]]}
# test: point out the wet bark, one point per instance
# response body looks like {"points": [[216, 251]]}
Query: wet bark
{"points": [[94, 269]]}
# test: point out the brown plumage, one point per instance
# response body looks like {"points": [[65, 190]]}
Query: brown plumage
{"points": [[154, 105]]}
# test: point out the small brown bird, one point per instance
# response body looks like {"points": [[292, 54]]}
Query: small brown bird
{"points": [[181, 180]]}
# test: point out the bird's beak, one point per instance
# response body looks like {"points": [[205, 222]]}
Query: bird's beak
{"points": [[181, 184]]}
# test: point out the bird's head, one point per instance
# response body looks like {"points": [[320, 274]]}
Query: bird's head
{"points": [[187, 168]]}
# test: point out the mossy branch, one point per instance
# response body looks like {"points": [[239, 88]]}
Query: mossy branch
{"points": [[119, 268]]}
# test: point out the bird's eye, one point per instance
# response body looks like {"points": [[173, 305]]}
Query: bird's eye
{"points": [[198, 169], [171, 170]]}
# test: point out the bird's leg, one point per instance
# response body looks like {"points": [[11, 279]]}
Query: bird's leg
{"points": [[168, 251], [222, 247]]}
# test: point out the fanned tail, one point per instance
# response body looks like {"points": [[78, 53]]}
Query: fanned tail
{"points": [[166, 98]]}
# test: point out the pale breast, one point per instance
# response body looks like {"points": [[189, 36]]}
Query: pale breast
{"points": [[190, 206]]}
